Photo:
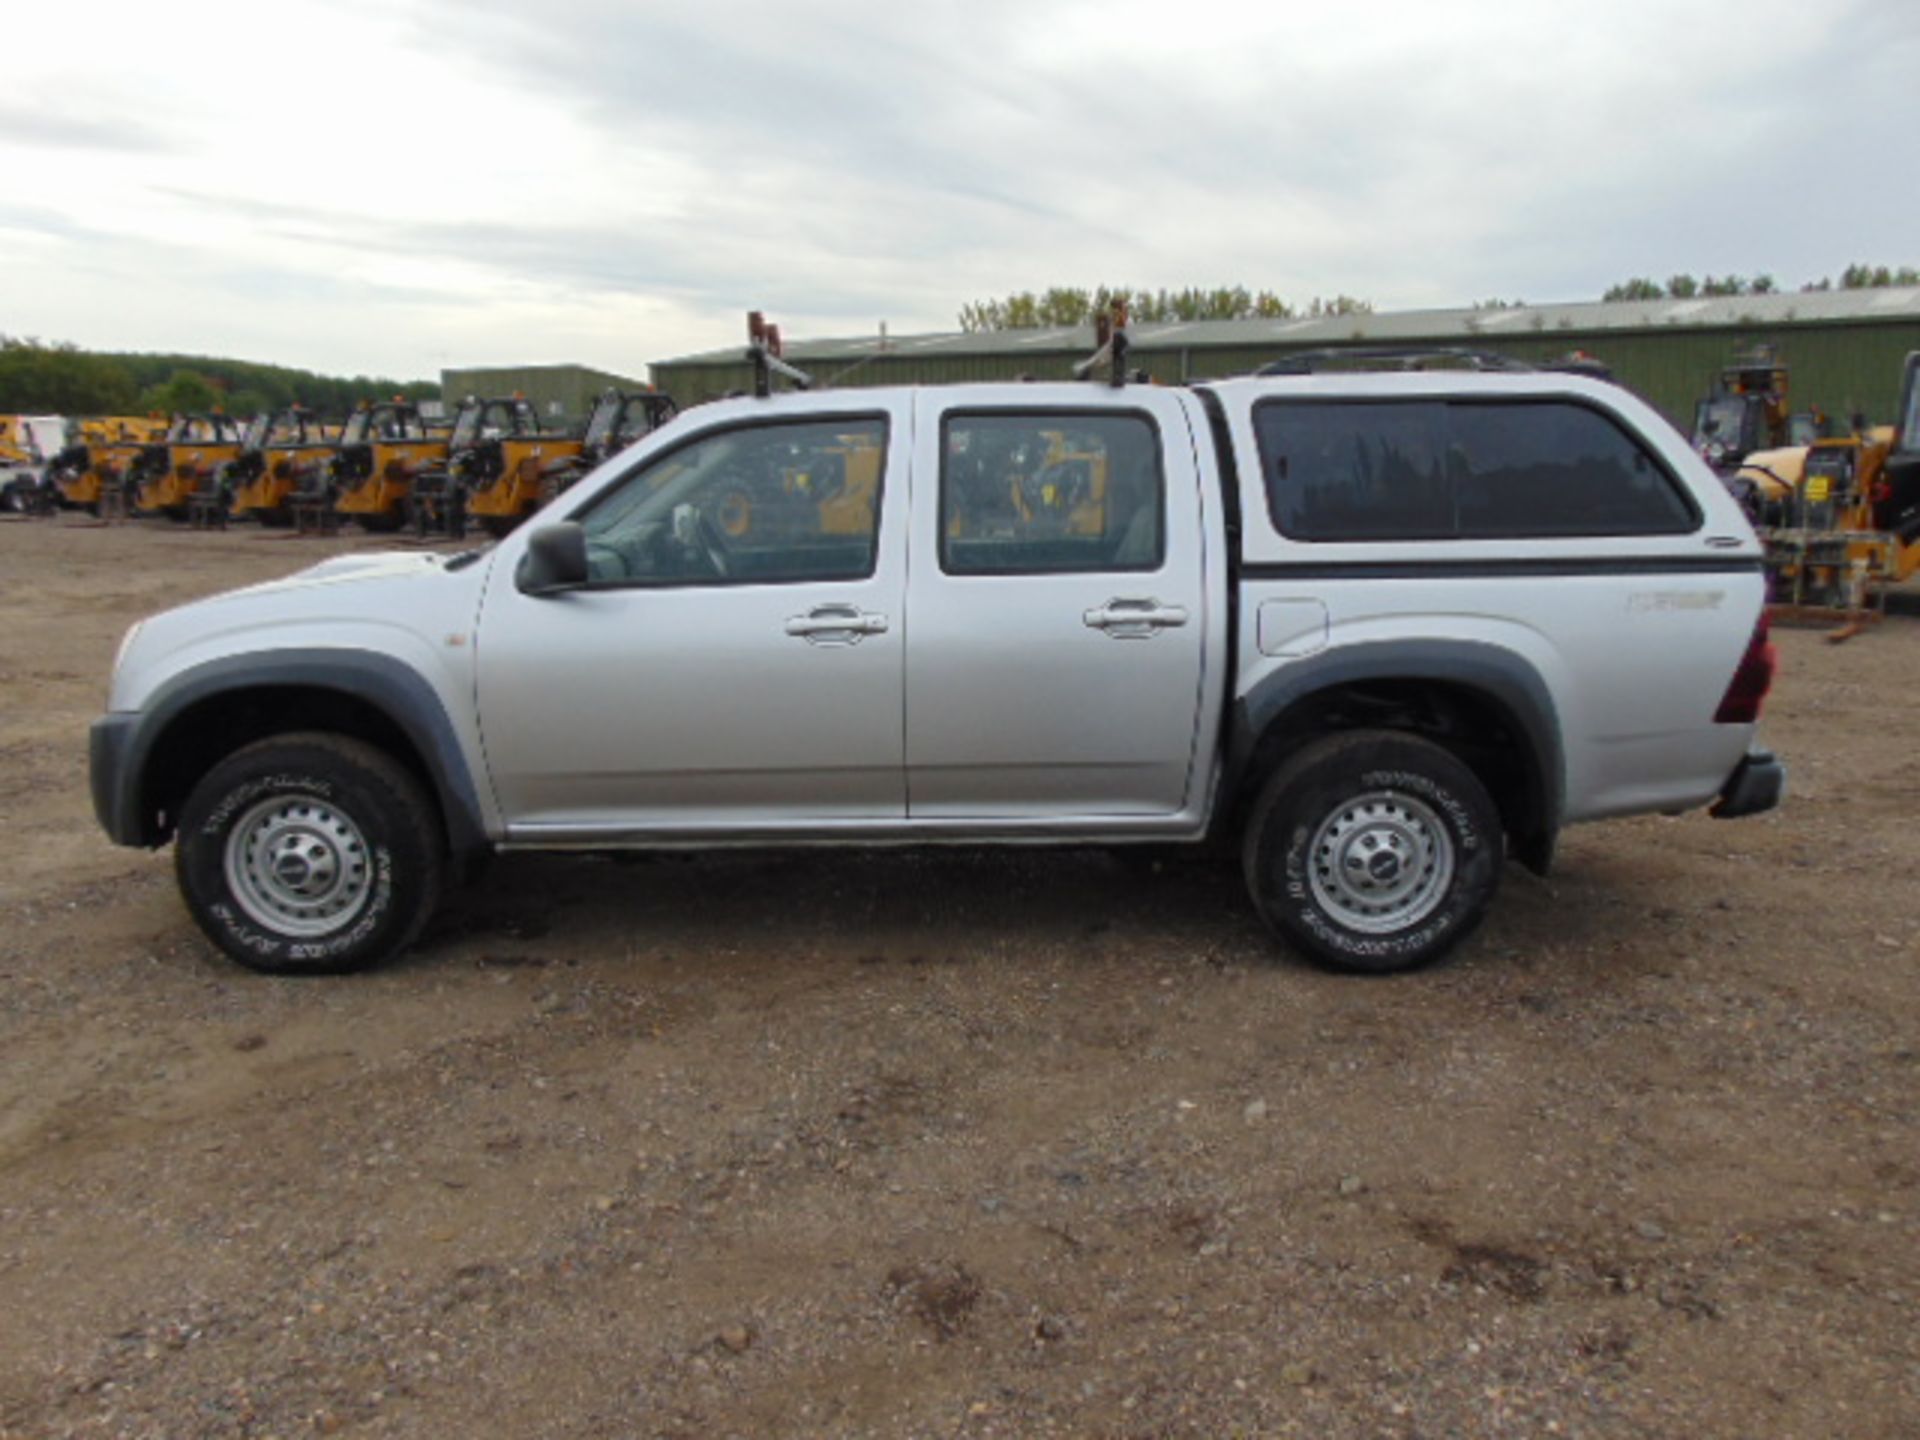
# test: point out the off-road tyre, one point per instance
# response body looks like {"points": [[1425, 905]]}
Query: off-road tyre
{"points": [[1311, 844], [314, 801]]}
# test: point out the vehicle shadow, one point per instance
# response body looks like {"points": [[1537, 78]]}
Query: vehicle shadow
{"points": [[957, 905], [933, 903]]}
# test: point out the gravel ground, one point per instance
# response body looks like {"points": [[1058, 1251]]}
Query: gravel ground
{"points": [[959, 1143]]}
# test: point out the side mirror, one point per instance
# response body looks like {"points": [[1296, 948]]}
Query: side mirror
{"points": [[556, 559]]}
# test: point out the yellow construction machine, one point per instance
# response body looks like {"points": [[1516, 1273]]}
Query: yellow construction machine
{"points": [[1028, 491], [100, 451], [1841, 517], [279, 457], [165, 476], [502, 465], [27, 444], [1745, 411], [383, 450], [619, 418], [828, 491], [497, 459], [1066, 491]]}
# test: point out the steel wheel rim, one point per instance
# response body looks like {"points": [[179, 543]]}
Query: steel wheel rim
{"points": [[298, 866], [1381, 862]]}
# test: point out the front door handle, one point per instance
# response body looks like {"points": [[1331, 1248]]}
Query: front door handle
{"points": [[836, 624], [1127, 618]]}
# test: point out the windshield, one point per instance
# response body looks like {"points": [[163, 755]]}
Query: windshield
{"points": [[1719, 422], [600, 426], [257, 429], [393, 422], [466, 428], [290, 427]]}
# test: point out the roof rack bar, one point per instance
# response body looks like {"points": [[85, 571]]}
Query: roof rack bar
{"points": [[1397, 357], [1110, 336], [763, 353]]}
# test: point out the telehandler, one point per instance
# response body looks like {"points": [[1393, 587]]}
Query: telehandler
{"points": [[506, 484], [165, 476], [1745, 415], [279, 455], [383, 450], [94, 465], [497, 457]]}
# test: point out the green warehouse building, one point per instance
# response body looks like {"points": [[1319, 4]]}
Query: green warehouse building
{"points": [[1843, 347]]}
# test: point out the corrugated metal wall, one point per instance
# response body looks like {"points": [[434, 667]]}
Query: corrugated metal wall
{"points": [[1838, 367]]}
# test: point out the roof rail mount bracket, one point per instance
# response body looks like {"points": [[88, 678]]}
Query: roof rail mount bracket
{"points": [[1112, 345], [763, 354]]}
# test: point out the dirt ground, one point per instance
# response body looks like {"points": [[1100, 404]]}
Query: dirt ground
{"points": [[959, 1144]]}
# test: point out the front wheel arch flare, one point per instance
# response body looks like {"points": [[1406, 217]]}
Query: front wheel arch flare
{"points": [[294, 682]]}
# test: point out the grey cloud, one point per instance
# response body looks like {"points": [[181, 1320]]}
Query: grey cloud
{"points": [[27, 123], [683, 259], [843, 161]]}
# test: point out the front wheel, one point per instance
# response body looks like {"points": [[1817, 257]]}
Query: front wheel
{"points": [[309, 854], [1373, 851]]}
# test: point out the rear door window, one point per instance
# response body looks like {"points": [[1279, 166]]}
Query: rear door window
{"points": [[1050, 493]]}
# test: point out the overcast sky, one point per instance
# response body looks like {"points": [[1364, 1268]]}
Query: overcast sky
{"points": [[400, 186]]}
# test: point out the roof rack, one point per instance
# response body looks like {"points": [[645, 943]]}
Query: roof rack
{"points": [[1579, 362], [1110, 338], [763, 353], [1391, 357]]}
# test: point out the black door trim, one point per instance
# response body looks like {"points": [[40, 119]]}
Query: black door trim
{"points": [[1490, 569]]}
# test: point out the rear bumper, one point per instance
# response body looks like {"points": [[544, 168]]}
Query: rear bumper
{"points": [[1758, 784]]}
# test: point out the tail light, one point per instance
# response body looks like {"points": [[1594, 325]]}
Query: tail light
{"points": [[1750, 683]]}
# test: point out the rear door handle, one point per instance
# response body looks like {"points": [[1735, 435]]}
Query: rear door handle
{"points": [[1127, 618], [836, 624]]}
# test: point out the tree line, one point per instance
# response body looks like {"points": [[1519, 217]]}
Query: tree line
{"points": [[61, 379], [1062, 306], [1686, 287]]}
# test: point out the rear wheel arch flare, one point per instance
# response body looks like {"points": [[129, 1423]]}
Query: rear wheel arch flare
{"points": [[1442, 686]]}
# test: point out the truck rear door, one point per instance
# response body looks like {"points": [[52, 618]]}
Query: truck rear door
{"points": [[1056, 603]]}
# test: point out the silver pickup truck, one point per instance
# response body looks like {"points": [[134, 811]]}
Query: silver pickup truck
{"points": [[1377, 631]]}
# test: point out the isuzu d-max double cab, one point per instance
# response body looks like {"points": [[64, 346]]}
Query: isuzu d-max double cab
{"points": [[1377, 631]]}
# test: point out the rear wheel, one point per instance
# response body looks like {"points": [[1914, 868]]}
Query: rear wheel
{"points": [[1373, 851], [309, 854]]}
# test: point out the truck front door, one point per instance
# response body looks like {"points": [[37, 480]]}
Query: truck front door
{"points": [[734, 665]]}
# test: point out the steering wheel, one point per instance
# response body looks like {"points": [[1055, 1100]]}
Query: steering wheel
{"points": [[697, 535]]}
